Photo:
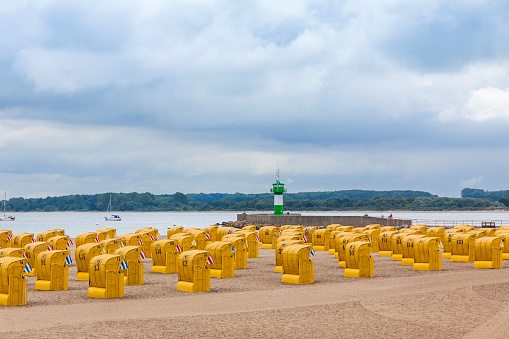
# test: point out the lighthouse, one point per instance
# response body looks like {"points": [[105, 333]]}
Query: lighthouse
{"points": [[278, 188]]}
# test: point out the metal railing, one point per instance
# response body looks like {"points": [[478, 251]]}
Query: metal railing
{"points": [[452, 223]]}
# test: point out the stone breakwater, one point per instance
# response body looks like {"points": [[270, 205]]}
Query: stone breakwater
{"points": [[318, 220]]}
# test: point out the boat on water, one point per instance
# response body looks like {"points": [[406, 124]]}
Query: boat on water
{"points": [[4, 204], [113, 217]]}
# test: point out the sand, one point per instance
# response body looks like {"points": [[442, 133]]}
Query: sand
{"points": [[458, 301]]}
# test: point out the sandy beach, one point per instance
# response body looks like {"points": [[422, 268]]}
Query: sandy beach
{"points": [[458, 301]]}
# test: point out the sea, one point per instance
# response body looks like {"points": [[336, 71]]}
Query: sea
{"points": [[80, 222]]}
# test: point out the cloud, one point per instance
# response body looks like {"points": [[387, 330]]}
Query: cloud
{"points": [[483, 105], [90, 159], [472, 181], [441, 36], [190, 95], [69, 71], [166, 63]]}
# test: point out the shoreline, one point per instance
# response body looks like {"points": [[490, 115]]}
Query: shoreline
{"points": [[270, 212]]}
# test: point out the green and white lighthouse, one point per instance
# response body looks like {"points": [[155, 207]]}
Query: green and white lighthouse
{"points": [[278, 188]]}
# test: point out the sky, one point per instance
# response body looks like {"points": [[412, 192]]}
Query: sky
{"points": [[213, 96]]}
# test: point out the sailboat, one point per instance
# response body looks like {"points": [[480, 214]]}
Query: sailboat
{"points": [[4, 203], [113, 217]]}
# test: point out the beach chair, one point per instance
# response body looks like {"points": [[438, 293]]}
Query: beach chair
{"points": [[193, 274], [504, 237], [342, 243], [110, 232], [185, 241], [321, 239], [154, 231], [308, 232], [174, 230], [199, 237], [251, 242], [372, 227], [31, 252], [130, 239], [22, 239], [279, 250], [164, 256], [222, 231], [5, 236], [388, 228], [212, 233], [427, 256], [133, 274], [12, 252], [110, 245], [44, 236], [59, 243], [250, 228], [447, 243], [462, 247], [385, 243], [12, 281], [420, 228], [224, 261], [488, 252], [239, 247], [372, 234], [436, 232], [83, 255], [86, 238], [146, 241], [297, 267], [407, 255], [268, 236], [359, 263], [52, 270], [106, 279]]}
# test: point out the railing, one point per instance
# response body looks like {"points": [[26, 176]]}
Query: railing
{"points": [[452, 223]]}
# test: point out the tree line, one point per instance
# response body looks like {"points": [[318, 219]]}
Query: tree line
{"points": [[500, 196], [351, 194], [147, 202]]}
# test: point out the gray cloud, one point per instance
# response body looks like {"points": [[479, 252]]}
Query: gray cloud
{"points": [[210, 96], [447, 37]]}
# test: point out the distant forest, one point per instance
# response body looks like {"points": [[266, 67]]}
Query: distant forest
{"points": [[500, 196], [347, 200], [350, 194]]}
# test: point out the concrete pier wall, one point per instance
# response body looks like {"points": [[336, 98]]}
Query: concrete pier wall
{"points": [[319, 220]]}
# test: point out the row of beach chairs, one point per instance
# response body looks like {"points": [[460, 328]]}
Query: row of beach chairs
{"points": [[108, 262]]}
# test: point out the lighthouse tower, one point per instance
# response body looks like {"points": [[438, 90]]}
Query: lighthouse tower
{"points": [[278, 188]]}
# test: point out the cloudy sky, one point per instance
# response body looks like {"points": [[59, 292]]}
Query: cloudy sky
{"points": [[212, 96]]}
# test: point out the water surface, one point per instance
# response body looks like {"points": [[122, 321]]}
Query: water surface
{"points": [[80, 222]]}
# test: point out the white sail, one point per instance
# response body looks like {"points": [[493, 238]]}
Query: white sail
{"points": [[113, 217], [4, 204]]}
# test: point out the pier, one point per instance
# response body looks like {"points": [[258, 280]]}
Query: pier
{"points": [[319, 220]]}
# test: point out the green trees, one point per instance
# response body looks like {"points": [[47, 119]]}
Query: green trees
{"points": [[504, 201], [253, 202], [180, 198], [479, 194]]}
